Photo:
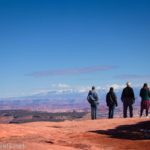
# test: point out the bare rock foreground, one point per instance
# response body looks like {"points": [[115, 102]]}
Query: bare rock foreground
{"points": [[101, 134]]}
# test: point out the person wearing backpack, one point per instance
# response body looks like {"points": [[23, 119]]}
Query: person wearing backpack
{"points": [[111, 101], [128, 100], [93, 100]]}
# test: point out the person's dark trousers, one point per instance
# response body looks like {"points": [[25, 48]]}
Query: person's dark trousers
{"points": [[141, 111], [125, 107], [93, 112], [111, 111], [146, 112]]}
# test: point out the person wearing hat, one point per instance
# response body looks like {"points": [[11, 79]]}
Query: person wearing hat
{"points": [[128, 100], [145, 96], [93, 100]]}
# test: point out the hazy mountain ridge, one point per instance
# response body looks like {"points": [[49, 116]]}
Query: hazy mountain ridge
{"points": [[54, 100]]}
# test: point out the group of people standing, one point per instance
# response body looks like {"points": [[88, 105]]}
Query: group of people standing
{"points": [[127, 98]]}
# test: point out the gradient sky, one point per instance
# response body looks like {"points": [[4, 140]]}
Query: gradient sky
{"points": [[72, 42]]}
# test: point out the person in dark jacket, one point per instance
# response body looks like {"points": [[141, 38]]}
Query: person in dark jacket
{"points": [[93, 100], [111, 101], [128, 100], [145, 99]]}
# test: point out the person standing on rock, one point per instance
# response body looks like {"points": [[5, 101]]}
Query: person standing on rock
{"points": [[111, 101], [128, 100], [145, 102], [93, 100]]}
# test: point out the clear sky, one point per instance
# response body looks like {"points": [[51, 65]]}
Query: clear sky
{"points": [[72, 42]]}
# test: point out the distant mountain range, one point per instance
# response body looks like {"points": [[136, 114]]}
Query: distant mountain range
{"points": [[56, 100]]}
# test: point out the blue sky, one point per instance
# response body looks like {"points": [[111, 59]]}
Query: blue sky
{"points": [[72, 42]]}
